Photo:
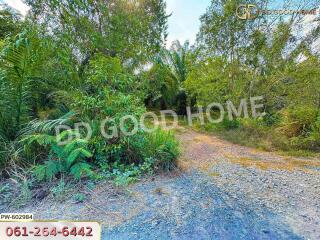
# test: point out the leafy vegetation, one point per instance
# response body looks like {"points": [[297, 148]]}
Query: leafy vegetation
{"points": [[91, 62], [264, 57], [79, 66], [67, 158]]}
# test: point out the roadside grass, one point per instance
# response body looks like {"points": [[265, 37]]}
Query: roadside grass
{"points": [[266, 140], [160, 150], [287, 163], [255, 136]]}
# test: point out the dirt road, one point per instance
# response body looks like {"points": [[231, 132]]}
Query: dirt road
{"points": [[224, 191]]}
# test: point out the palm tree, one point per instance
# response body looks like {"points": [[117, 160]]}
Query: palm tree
{"points": [[15, 86], [175, 61]]}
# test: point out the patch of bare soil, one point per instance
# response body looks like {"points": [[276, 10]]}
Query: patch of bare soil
{"points": [[287, 186]]}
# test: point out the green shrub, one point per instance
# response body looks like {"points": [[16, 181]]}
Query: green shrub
{"points": [[69, 158], [111, 96], [163, 148], [79, 198], [309, 141], [271, 119], [108, 91], [314, 135], [298, 121], [125, 178], [301, 127], [230, 124], [123, 158], [145, 154]]}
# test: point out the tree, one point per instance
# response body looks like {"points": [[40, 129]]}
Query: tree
{"points": [[269, 56], [130, 30], [168, 74], [10, 22], [258, 49]]}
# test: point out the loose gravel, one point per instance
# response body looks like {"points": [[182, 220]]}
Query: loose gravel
{"points": [[223, 191]]}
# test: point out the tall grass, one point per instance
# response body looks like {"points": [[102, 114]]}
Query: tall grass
{"points": [[163, 147]]}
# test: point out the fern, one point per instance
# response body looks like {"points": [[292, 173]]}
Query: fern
{"points": [[77, 142], [45, 126], [70, 158], [77, 154], [62, 136], [41, 139], [58, 151], [81, 169], [48, 170], [40, 172]]}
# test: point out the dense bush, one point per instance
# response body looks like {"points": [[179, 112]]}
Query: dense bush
{"points": [[70, 76], [62, 69], [242, 59], [298, 121], [107, 93], [69, 158]]}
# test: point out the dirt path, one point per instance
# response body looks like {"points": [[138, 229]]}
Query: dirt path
{"points": [[224, 191], [288, 187]]}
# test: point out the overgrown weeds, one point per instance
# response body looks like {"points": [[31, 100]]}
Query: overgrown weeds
{"points": [[259, 133]]}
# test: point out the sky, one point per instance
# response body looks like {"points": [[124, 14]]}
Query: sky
{"points": [[184, 22], [17, 4]]}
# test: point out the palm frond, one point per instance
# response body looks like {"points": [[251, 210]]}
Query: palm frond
{"points": [[46, 126]]}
